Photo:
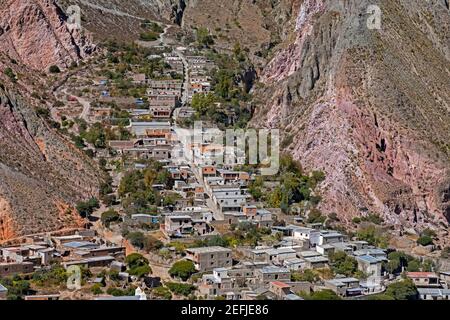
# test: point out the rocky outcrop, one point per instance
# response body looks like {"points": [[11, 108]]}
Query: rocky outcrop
{"points": [[36, 33], [41, 174], [369, 107]]}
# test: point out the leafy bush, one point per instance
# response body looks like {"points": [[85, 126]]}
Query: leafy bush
{"points": [[54, 276], [425, 240], [117, 292], [356, 220], [54, 69], [373, 218], [180, 288], [326, 294], [204, 38], [343, 263], [152, 244], [96, 289], [10, 74], [162, 292], [149, 36], [17, 287], [306, 275], [137, 239], [137, 265]]}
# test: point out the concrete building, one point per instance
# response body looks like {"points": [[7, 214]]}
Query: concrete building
{"points": [[434, 294], [424, 279], [344, 286], [370, 265], [11, 268], [268, 274], [209, 258]]}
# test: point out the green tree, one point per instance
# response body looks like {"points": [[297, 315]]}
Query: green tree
{"points": [[137, 265], [180, 288], [182, 269], [204, 38], [85, 209], [162, 292], [402, 290], [343, 263], [96, 289], [137, 239], [425, 240], [321, 295], [109, 217], [307, 275]]}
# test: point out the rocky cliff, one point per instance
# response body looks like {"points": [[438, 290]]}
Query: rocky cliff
{"points": [[369, 107], [42, 175], [36, 33]]}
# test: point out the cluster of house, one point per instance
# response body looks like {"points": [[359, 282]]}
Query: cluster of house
{"points": [[153, 140], [432, 285], [81, 248], [199, 69], [174, 61], [266, 271]]}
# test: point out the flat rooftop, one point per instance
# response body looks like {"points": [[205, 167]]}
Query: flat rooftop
{"points": [[208, 249]]}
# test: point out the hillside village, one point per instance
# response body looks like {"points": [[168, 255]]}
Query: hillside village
{"points": [[174, 222]]}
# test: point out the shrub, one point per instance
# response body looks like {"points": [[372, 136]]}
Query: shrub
{"points": [[152, 244], [162, 292], [117, 292], [10, 74], [425, 240], [356, 220], [373, 218], [380, 296], [307, 275], [180, 288], [326, 294], [96, 289], [137, 239], [140, 271], [54, 69], [149, 36], [315, 216]]}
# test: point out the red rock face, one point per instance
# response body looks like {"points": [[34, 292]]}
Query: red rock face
{"points": [[35, 33], [367, 108]]}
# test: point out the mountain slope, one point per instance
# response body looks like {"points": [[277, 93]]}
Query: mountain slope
{"points": [[42, 175], [35, 33], [369, 107]]}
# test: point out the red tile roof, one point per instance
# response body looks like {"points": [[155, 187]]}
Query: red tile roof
{"points": [[421, 274]]}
